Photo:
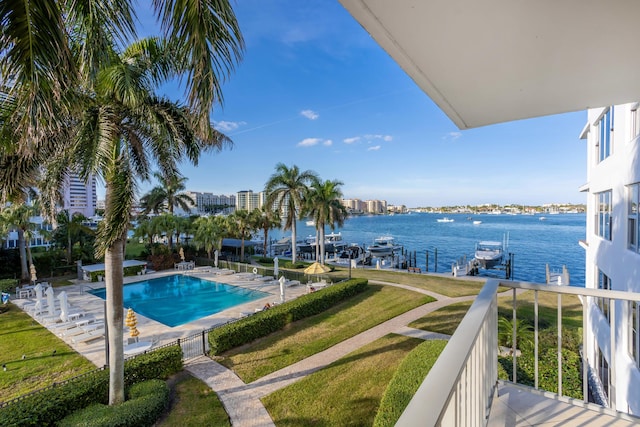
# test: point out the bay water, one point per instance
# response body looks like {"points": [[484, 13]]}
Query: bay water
{"points": [[532, 241]]}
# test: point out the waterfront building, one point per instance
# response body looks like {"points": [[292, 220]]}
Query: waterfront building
{"points": [[354, 206], [376, 207], [612, 136], [211, 203], [79, 196], [248, 200]]}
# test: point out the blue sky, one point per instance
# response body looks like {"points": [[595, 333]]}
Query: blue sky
{"points": [[314, 90]]}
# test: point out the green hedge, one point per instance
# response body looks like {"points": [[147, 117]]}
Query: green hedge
{"points": [[49, 406], [128, 271], [8, 286], [274, 319], [405, 382], [146, 403], [547, 371]]}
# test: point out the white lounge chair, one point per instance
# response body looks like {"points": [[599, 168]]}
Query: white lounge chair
{"points": [[89, 336]]}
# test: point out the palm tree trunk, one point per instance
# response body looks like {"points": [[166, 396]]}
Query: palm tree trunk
{"points": [[321, 243], [293, 239], [68, 247], [242, 248], [113, 260], [266, 234], [23, 255]]}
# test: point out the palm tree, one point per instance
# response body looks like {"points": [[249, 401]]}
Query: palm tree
{"points": [[209, 232], [266, 219], [169, 193], [322, 203], [146, 232], [63, 76], [69, 230], [285, 189], [18, 216], [241, 224], [153, 201]]}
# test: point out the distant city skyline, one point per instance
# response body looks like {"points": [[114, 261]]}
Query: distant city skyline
{"points": [[314, 90]]}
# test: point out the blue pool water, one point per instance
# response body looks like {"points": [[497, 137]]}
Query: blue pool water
{"points": [[177, 299]]}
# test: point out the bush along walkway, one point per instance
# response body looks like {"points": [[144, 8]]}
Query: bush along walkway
{"points": [[242, 401]]}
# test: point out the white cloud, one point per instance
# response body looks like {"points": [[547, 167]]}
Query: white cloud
{"points": [[309, 142], [373, 148], [328, 143], [309, 114], [226, 126], [453, 135], [386, 138], [351, 140]]}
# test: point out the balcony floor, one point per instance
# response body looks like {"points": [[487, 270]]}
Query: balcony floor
{"points": [[519, 406]]}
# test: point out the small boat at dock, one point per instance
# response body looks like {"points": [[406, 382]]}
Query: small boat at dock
{"points": [[383, 246], [489, 254]]}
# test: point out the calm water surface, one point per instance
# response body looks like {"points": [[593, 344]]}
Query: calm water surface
{"points": [[533, 242]]}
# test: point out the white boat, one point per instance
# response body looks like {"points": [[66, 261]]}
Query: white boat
{"points": [[542, 218], [383, 246], [489, 254], [333, 243], [477, 222], [310, 223], [445, 219]]}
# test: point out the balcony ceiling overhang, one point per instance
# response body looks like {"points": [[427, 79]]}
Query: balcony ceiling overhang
{"points": [[492, 61]]}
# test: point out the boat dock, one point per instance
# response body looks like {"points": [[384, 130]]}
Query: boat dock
{"points": [[557, 277]]}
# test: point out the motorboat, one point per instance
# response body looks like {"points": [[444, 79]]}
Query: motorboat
{"points": [[383, 246], [333, 243], [445, 219], [477, 222], [489, 254], [310, 223]]}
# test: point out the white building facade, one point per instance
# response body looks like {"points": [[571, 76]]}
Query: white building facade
{"points": [[613, 250], [79, 196], [248, 200]]}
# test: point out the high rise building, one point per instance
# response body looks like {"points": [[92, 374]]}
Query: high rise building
{"points": [[248, 200], [79, 196], [211, 203]]}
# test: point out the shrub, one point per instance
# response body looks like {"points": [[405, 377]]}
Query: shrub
{"points": [[147, 401], [268, 321], [8, 285], [293, 265], [47, 407], [405, 382]]}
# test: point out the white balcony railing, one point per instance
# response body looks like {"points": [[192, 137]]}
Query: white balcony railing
{"points": [[460, 387]]}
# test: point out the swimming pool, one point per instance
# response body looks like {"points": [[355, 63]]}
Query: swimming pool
{"points": [[177, 299]]}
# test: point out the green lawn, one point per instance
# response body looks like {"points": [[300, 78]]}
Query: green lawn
{"points": [[193, 404], [347, 392], [21, 336], [443, 285], [315, 334]]}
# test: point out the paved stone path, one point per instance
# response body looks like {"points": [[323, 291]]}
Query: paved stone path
{"points": [[242, 401]]}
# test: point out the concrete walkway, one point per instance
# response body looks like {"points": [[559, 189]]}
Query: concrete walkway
{"points": [[242, 401]]}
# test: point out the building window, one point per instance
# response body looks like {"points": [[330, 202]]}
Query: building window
{"points": [[604, 135], [634, 123], [603, 215], [603, 372], [634, 327], [633, 222], [604, 283]]}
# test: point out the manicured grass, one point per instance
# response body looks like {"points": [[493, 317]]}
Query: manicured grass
{"points": [[315, 334], [194, 404], [347, 392], [443, 285], [444, 320], [134, 249], [21, 335], [406, 381]]}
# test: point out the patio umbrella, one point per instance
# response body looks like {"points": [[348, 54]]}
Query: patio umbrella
{"points": [[64, 306], [182, 254], [316, 268], [34, 278], [215, 260], [51, 301], [282, 282], [38, 289], [275, 267], [131, 322]]}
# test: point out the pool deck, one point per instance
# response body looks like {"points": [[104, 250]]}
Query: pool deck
{"points": [[149, 329]]}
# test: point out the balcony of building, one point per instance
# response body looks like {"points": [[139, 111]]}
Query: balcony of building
{"points": [[466, 373]]}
